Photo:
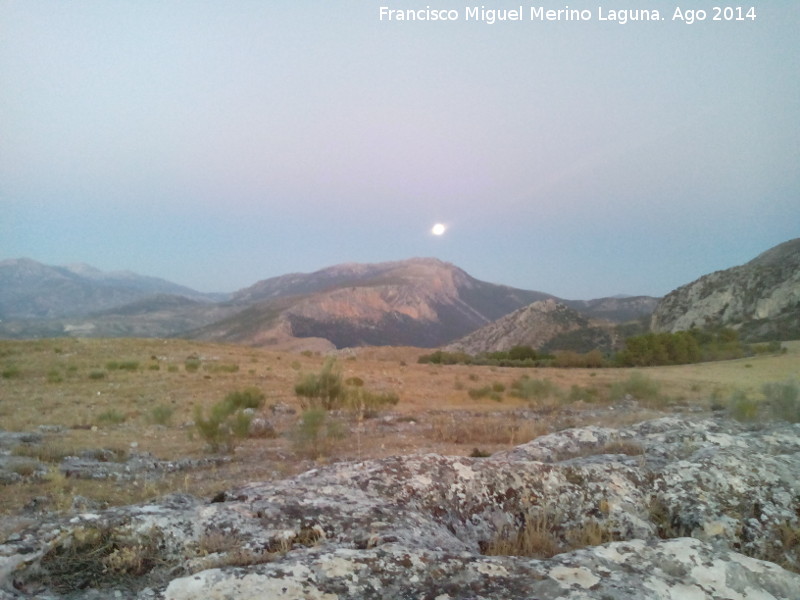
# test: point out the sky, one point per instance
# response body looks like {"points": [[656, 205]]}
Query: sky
{"points": [[215, 144]]}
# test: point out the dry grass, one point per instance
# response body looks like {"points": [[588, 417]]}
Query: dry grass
{"points": [[541, 535], [52, 384], [458, 428]]}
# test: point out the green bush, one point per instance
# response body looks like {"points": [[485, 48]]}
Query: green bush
{"points": [[783, 400], [322, 390], [481, 392], [161, 414], [578, 393], [742, 408], [316, 434], [111, 417], [192, 364], [533, 389], [641, 387], [250, 397], [227, 420], [367, 404], [128, 365]]}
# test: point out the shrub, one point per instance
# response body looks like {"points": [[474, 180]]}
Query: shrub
{"points": [[321, 390], [367, 404], [97, 375], [192, 364], [128, 365], [583, 394], [111, 417], [327, 390], [250, 397], [316, 434], [481, 392], [533, 389], [161, 414], [784, 400], [742, 408], [641, 387], [227, 420]]}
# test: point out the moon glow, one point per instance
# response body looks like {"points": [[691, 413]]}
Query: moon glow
{"points": [[438, 229]]}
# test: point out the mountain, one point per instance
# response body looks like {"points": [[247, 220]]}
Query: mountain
{"points": [[618, 309], [419, 302], [546, 324], [31, 290], [760, 298], [422, 302]]}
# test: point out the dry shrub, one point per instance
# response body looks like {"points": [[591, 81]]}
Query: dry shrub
{"points": [[542, 536], [461, 429]]}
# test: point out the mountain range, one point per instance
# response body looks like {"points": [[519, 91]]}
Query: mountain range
{"points": [[421, 302]]}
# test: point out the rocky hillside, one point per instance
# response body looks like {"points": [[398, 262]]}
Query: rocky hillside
{"points": [[665, 509], [760, 298], [533, 325], [418, 302]]}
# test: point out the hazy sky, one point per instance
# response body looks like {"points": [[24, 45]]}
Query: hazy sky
{"points": [[217, 143]]}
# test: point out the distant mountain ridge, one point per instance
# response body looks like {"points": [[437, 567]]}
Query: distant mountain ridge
{"points": [[760, 298], [420, 301], [32, 290]]}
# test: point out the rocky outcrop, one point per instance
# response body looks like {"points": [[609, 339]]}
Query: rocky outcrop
{"points": [[761, 298], [534, 325], [666, 509]]}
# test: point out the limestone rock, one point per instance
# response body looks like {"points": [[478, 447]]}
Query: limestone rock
{"points": [[693, 508]]}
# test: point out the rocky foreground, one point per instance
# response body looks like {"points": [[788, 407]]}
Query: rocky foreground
{"points": [[666, 509]]}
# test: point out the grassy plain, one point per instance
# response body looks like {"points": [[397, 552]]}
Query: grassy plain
{"points": [[134, 395]]}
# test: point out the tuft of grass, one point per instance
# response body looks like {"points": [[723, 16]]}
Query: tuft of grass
{"points": [[99, 556], [541, 535], [111, 417], [11, 372]]}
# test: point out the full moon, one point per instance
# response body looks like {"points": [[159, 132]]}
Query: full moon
{"points": [[438, 229]]}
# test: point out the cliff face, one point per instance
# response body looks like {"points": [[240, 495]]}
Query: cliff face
{"points": [[760, 298]]}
